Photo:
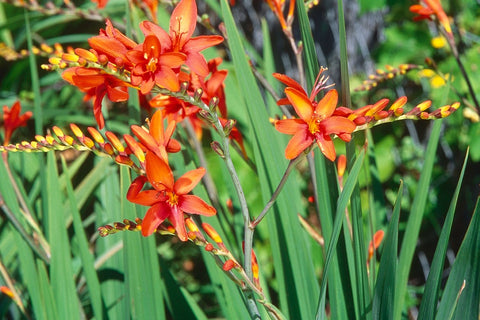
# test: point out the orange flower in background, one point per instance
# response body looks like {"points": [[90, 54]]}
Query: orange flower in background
{"points": [[169, 199], [113, 44], [277, 7], [156, 139], [316, 124], [97, 84], [179, 39], [430, 8], [153, 66], [13, 120]]}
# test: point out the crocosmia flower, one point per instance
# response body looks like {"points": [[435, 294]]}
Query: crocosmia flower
{"points": [[97, 84], [154, 66], [316, 124], [169, 199], [179, 39], [432, 8], [13, 120]]}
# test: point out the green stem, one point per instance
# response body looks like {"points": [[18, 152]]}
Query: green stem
{"points": [[453, 47]]}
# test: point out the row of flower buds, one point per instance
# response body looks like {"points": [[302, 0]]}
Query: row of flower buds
{"points": [[44, 50], [80, 57], [216, 247], [371, 115], [383, 75], [112, 146]]}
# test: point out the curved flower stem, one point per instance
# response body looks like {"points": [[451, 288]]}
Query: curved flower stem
{"points": [[453, 47], [212, 117], [274, 197]]}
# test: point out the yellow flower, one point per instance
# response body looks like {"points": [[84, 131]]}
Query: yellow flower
{"points": [[437, 81], [438, 42], [427, 73]]}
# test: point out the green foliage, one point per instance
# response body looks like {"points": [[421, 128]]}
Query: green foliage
{"points": [[312, 247]]}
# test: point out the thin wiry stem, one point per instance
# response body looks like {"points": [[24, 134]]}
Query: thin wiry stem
{"points": [[281, 184]]}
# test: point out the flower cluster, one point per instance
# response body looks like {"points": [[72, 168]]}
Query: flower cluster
{"points": [[116, 62]]}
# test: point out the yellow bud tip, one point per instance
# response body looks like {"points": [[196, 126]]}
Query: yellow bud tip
{"points": [[212, 233], [58, 132]]}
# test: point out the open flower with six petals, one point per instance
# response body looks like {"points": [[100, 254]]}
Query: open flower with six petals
{"points": [[316, 124], [179, 39], [169, 199]]}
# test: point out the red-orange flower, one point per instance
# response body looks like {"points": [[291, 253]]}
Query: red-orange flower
{"points": [[13, 120], [169, 199], [316, 123], [152, 65], [158, 140], [277, 7], [96, 85], [432, 7], [113, 44], [182, 25]]}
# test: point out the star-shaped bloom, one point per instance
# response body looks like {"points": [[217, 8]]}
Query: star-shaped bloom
{"points": [[13, 120], [169, 199], [316, 124], [152, 65], [179, 39]]}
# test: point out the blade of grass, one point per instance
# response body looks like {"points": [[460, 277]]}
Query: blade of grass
{"points": [[339, 218], [61, 271], [465, 272], [111, 272], [384, 292], [86, 256], [414, 221], [432, 287], [180, 303], [142, 276]]}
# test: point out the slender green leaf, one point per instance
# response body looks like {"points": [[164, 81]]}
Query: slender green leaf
{"points": [[85, 254], [339, 218], [142, 272], [432, 287], [414, 221], [384, 292], [466, 268], [61, 271]]}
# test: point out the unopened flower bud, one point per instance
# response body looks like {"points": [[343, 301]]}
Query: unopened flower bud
{"points": [[228, 265], [228, 127], [218, 149]]}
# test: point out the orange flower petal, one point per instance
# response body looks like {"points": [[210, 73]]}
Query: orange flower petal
{"points": [[183, 21], [197, 63], [299, 142], [177, 219], [158, 172], [200, 43], [327, 147], [166, 78], [188, 181], [337, 125], [193, 204], [327, 105], [290, 126], [148, 27], [172, 59], [289, 82], [301, 103], [154, 217]]}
